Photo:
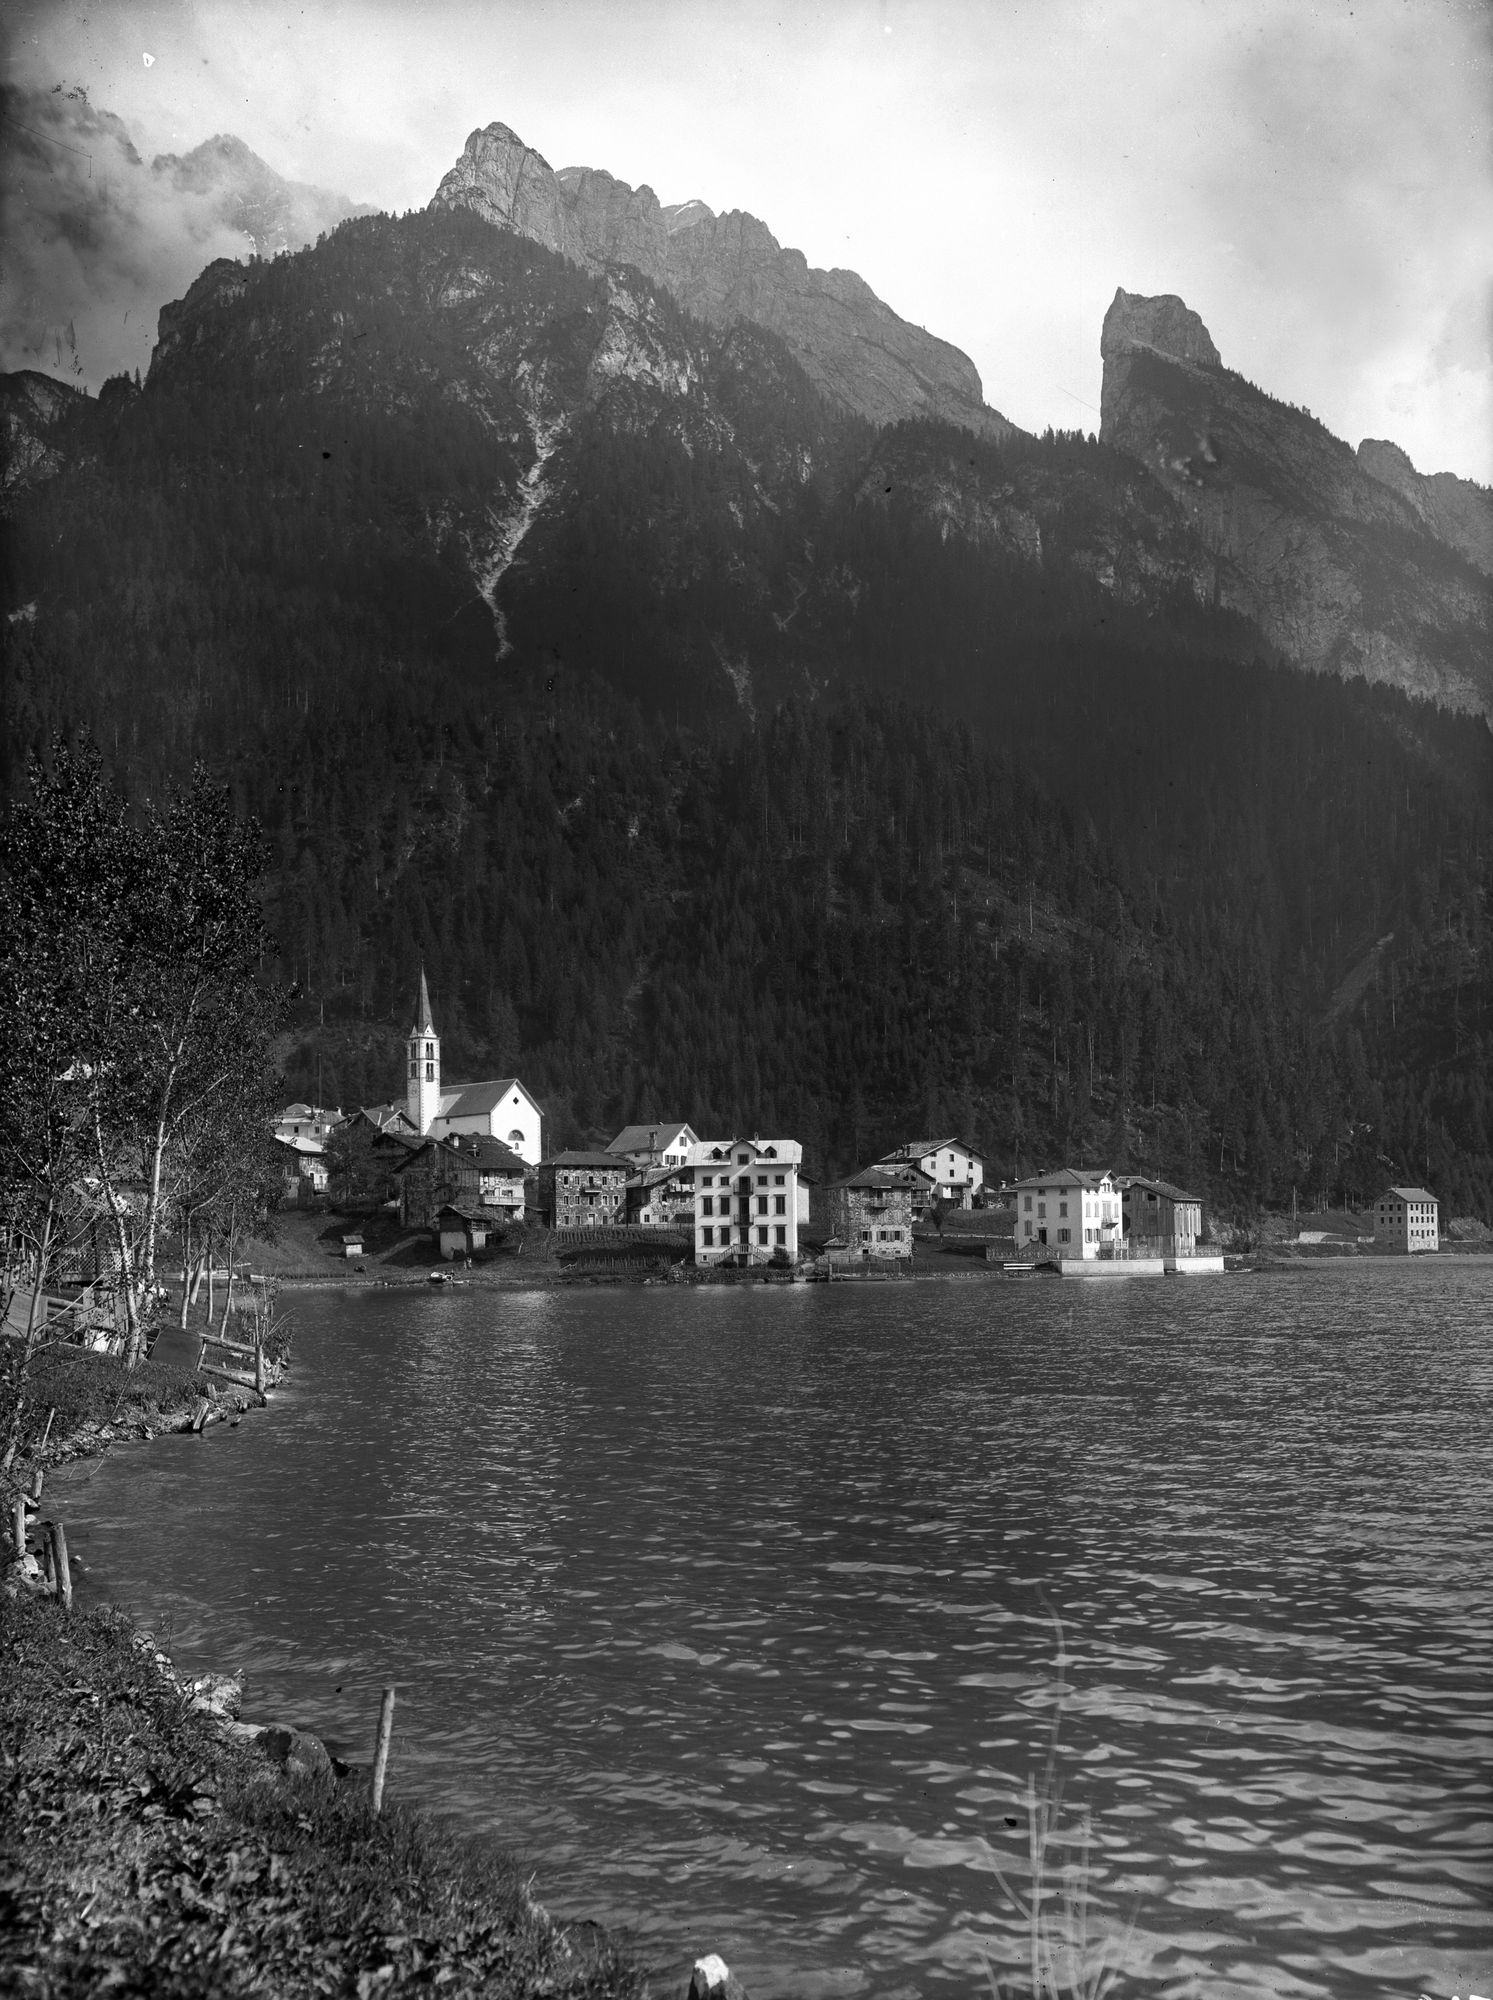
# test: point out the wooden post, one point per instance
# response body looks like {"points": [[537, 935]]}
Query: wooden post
{"points": [[46, 1543], [258, 1361], [64, 1572], [18, 1526], [48, 1431], [36, 1479], [381, 1749]]}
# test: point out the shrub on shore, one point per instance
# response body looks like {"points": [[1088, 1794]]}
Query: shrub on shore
{"points": [[144, 1853]]}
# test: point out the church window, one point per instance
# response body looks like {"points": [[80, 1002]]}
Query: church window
{"points": [[430, 1072], [430, 1050]]}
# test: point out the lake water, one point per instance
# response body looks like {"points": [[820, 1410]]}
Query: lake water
{"points": [[727, 1607]]}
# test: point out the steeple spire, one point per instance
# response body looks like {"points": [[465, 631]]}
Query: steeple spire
{"points": [[424, 1023], [423, 1085]]}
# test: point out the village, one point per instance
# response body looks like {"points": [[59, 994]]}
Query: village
{"points": [[466, 1164]]}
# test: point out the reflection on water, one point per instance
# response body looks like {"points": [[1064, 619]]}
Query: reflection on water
{"points": [[726, 1607]]}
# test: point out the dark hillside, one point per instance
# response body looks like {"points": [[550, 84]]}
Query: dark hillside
{"points": [[712, 751]]}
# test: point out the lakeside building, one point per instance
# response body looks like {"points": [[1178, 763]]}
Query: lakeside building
{"points": [[1407, 1220], [661, 1198], [956, 1170], [1159, 1220], [1074, 1211], [481, 1176], [500, 1108], [871, 1213], [583, 1190], [746, 1200], [664, 1143], [303, 1169]]}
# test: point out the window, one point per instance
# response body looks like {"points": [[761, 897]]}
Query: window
{"points": [[743, 1159], [430, 1050], [762, 1236], [430, 1072], [780, 1204], [1062, 1208], [707, 1205], [762, 1180], [1026, 1202], [782, 1234], [779, 1179], [1064, 1235], [762, 1204]]}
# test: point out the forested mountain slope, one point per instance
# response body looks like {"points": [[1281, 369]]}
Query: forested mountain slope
{"points": [[720, 756]]}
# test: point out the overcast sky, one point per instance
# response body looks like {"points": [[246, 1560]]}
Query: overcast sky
{"points": [[1314, 179]]}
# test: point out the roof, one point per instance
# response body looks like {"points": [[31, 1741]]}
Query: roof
{"points": [[907, 1175], [472, 1100], [1163, 1188], [473, 1211], [385, 1116], [652, 1177], [424, 1020], [296, 1111], [606, 1160], [1087, 1177], [1410, 1193], [915, 1149], [488, 1153], [706, 1152], [659, 1136], [872, 1177]]}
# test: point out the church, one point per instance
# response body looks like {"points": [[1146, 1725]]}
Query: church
{"points": [[498, 1109]]}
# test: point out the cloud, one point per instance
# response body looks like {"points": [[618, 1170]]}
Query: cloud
{"points": [[98, 239]]}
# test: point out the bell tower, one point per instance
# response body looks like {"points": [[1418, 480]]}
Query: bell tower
{"points": [[423, 1047]]}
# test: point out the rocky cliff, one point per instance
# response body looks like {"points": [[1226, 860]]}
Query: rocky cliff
{"points": [[1351, 562], [249, 196], [852, 346]]}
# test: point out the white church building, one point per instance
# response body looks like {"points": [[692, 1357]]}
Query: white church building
{"points": [[498, 1109]]}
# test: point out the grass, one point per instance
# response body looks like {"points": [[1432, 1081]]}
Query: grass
{"points": [[1064, 1961], [142, 1853], [86, 1388]]}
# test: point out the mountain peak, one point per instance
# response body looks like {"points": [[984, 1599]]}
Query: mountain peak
{"points": [[854, 348], [1165, 323]]}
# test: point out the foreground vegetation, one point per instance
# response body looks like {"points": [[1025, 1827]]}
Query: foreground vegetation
{"points": [[145, 1853]]}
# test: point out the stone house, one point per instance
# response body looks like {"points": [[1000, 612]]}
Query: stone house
{"points": [[871, 1213], [583, 1190]]}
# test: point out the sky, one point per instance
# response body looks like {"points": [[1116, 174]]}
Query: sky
{"points": [[1316, 180]]}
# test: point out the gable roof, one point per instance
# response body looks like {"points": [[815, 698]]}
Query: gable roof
{"points": [[475, 1100], [607, 1160], [662, 1135], [916, 1148], [1410, 1193], [386, 1118], [1163, 1188], [873, 1177], [491, 1155], [1083, 1177]]}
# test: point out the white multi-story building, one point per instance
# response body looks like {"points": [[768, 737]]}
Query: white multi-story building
{"points": [[1070, 1212], [956, 1170], [746, 1200], [1407, 1219]]}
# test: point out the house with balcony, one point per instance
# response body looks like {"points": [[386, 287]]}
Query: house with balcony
{"points": [[955, 1171], [580, 1190], [1070, 1213], [661, 1198], [746, 1208], [480, 1174], [665, 1142], [1407, 1220], [871, 1213]]}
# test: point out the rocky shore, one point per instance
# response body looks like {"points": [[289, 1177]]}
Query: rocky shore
{"points": [[155, 1841]]}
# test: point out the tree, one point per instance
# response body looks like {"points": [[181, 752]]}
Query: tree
{"points": [[138, 948]]}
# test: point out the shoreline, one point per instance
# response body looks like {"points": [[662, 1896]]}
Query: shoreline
{"points": [[184, 1821]]}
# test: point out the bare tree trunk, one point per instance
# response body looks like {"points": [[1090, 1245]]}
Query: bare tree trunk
{"points": [[228, 1288], [34, 1314], [186, 1265]]}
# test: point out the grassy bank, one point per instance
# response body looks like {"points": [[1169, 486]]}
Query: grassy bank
{"points": [[143, 1852]]}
